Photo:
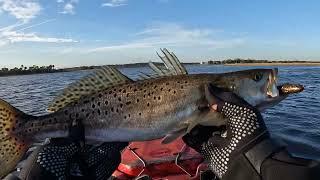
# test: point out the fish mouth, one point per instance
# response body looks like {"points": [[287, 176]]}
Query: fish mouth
{"points": [[283, 91]]}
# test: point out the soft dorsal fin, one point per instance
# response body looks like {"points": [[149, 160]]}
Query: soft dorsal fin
{"points": [[101, 79], [172, 64]]}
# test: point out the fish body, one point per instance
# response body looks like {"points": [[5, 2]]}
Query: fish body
{"points": [[113, 107], [137, 111]]}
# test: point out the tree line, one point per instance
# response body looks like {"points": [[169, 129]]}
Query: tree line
{"points": [[22, 70], [238, 61]]}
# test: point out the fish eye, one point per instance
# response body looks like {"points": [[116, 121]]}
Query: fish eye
{"points": [[257, 76]]}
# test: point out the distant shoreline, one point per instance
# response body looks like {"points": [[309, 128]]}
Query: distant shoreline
{"points": [[276, 64], [21, 72], [137, 65]]}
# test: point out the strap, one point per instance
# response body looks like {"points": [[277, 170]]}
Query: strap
{"points": [[258, 153]]}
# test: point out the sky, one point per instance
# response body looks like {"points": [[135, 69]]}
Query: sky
{"points": [[70, 33]]}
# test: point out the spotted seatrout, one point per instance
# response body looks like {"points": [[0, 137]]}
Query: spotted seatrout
{"points": [[112, 107]]}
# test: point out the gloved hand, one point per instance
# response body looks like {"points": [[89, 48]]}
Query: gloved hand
{"points": [[101, 161], [61, 157], [245, 129]]}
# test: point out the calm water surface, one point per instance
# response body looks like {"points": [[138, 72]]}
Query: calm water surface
{"points": [[296, 120]]}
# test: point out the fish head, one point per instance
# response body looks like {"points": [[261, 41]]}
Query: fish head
{"points": [[256, 86]]}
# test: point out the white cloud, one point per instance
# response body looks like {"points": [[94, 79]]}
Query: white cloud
{"points": [[11, 34], [13, 37], [174, 35], [69, 7], [115, 3], [23, 10]]}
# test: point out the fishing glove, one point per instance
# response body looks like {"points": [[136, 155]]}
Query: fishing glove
{"points": [[245, 141], [68, 158], [52, 160]]}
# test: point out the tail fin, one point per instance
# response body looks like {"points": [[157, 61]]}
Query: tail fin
{"points": [[12, 145]]}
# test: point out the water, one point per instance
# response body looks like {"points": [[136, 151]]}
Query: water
{"points": [[296, 120]]}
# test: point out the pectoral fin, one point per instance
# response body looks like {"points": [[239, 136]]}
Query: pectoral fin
{"points": [[174, 135]]}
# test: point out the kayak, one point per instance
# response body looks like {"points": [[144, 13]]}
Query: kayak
{"points": [[174, 161]]}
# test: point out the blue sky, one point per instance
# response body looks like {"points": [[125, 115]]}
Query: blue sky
{"points": [[95, 32]]}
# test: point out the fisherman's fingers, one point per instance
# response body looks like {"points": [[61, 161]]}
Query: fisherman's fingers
{"points": [[50, 161]]}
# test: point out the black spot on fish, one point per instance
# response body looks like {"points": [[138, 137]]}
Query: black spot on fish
{"points": [[128, 103], [99, 103], [137, 100], [100, 95], [174, 92], [106, 112], [148, 104], [99, 112], [181, 87], [121, 105], [119, 99], [159, 98], [139, 114], [115, 95], [110, 92], [112, 110], [93, 106], [106, 102]]}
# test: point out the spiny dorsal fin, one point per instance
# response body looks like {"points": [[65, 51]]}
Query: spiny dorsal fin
{"points": [[172, 64], [101, 79]]}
